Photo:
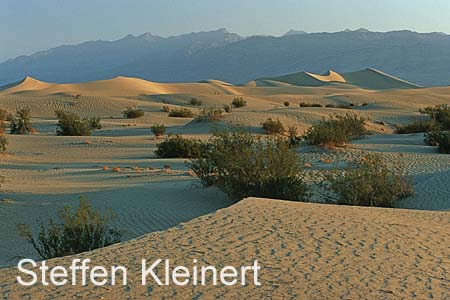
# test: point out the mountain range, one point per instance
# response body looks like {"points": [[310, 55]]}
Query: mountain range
{"points": [[421, 58]]}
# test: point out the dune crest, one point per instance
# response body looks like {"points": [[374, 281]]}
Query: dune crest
{"points": [[26, 84]]}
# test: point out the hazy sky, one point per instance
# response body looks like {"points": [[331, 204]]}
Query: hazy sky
{"points": [[27, 26]]}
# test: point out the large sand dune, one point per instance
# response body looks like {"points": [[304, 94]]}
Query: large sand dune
{"points": [[306, 251]]}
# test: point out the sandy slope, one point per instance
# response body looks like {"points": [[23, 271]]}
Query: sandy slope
{"points": [[307, 251]]}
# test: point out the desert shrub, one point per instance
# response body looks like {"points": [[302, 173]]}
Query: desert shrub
{"points": [[416, 126], [244, 166], [441, 139], [195, 101], [71, 124], [440, 114], [341, 106], [158, 129], [166, 108], [239, 102], [210, 114], [273, 126], [286, 103], [181, 113], [176, 146], [294, 139], [2, 126], [336, 131], [227, 108], [3, 143], [21, 122], [83, 230], [304, 104], [367, 182], [5, 115], [132, 112]]}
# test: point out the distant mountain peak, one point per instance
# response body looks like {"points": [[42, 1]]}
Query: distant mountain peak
{"points": [[294, 32]]}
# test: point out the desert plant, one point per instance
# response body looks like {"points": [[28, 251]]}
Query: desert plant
{"points": [[243, 166], [441, 139], [228, 108], [176, 146], [416, 126], [166, 108], [83, 230], [21, 122], [294, 139], [132, 112], [5, 115], [336, 131], [239, 102], [304, 104], [158, 129], [71, 124], [440, 114], [342, 106], [195, 101], [273, 126], [369, 181], [210, 114], [286, 103], [3, 143], [181, 113]]}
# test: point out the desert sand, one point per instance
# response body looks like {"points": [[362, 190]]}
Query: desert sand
{"points": [[307, 251], [311, 250]]}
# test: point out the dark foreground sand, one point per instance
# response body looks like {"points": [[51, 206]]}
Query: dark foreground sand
{"points": [[307, 251]]}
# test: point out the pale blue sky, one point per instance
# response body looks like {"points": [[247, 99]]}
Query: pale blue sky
{"points": [[27, 26]]}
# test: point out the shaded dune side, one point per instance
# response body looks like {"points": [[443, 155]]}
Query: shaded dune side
{"points": [[376, 80], [307, 251]]}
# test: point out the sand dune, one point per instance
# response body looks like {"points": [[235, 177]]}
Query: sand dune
{"points": [[306, 251], [377, 80]]}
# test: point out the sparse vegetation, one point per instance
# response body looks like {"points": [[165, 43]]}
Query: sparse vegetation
{"points": [[367, 182], [239, 102], [21, 122], [74, 232], [210, 114], [132, 112], [195, 102], [227, 108], [304, 104], [286, 103], [439, 114], [341, 106], [181, 113], [3, 143], [273, 126], [71, 124], [417, 126], [166, 108], [5, 115], [336, 131], [243, 166], [158, 129], [176, 146], [294, 139], [441, 139]]}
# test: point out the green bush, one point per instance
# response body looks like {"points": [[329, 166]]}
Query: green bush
{"points": [[82, 230], [5, 115], [227, 108], [175, 146], [3, 143], [239, 102], [294, 139], [158, 129], [210, 114], [341, 106], [273, 127], [181, 113], [71, 124], [132, 112], [195, 101], [21, 122], [417, 126], [367, 182], [336, 131], [244, 166], [304, 104], [440, 114], [441, 139]]}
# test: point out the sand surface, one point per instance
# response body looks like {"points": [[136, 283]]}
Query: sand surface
{"points": [[307, 251]]}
